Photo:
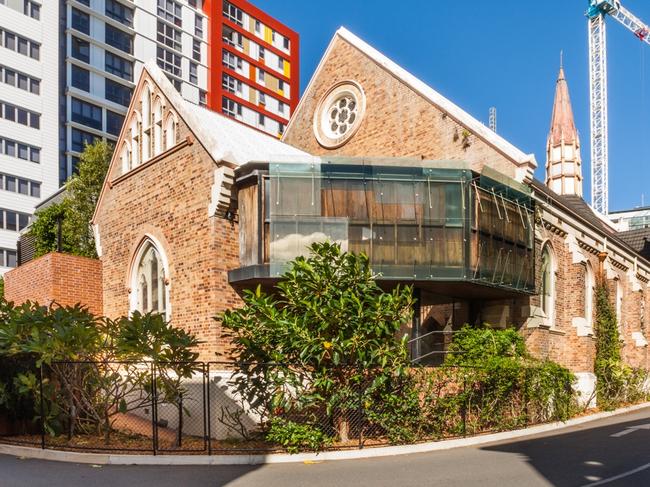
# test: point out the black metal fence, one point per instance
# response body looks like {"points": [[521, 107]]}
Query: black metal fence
{"points": [[226, 408]]}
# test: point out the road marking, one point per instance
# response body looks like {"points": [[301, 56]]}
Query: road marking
{"points": [[631, 429], [619, 476], [593, 463]]}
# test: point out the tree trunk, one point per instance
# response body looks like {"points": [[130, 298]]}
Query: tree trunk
{"points": [[343, 426], [179, 430]]}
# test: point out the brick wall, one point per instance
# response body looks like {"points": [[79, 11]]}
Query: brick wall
{"points": [[398, 121], [168, 200], [61, 278]]}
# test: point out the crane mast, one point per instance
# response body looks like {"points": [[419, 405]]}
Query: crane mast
{"points": [[596, 13]]}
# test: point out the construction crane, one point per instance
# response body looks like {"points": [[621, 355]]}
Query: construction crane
{"points": [[493, 119], [598, 10]]}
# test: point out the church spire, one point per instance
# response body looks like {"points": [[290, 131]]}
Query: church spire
{"points": [[563, 162]]}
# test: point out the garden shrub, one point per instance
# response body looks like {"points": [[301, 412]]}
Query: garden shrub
{"points": [[295, 437]]}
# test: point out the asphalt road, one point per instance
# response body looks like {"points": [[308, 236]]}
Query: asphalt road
{"points": [[612, 452]]}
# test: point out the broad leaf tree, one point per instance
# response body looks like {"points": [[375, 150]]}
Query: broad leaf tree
{"points": [[326, 330]]}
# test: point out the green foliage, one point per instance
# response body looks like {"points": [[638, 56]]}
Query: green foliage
{"points": [[295, 437], [77, 208], [475, 346], [327, 328], [87, 382], [617, 383]]}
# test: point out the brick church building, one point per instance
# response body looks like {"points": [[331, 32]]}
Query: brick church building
{"points": [[197, 207]]}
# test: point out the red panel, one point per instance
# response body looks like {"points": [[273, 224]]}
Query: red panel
{"points": [[213, 8]]}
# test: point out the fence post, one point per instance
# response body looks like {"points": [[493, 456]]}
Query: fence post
{"points": [[208, 411], [205, 426], [526, 418], [463, 411], [360, 409], [154, 420], [42, 407]]}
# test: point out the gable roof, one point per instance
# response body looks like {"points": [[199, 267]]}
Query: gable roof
{"points": [[638, 239], [224, 138], [453, 110]]}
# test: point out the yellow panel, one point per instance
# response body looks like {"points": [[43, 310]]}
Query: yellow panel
{"points": [[271, 82], [252, 95], [247, 47], [281, 92], [287, 69], [268, 35], [251, 24]]}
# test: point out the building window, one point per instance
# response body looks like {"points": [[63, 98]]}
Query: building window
{"points": [[170, 10], [20, 44], [14, 221], [281, 107], [231, 84], [231, 61], [125, 158], [118, 39], [233, 13], [80, 139], [258, 26], [118, 66], [117, 92], [339, 114], [169, 36], [230, 107], [157, 127], [169, 61], [116, 11], [80, 21], [19, 80], [86, 114], [80, 78], [281, 129], [150, 281], [547, 290], [262, 98], [590, 287], [20, 115], [196, 50], [203, 98], [260, 75], [261, 119], [135, 143], [262, 53], [114, 122], [198, 26], [80, 50], [194, 79]]}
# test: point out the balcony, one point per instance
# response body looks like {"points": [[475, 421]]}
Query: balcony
{"points": [[434, 224]]}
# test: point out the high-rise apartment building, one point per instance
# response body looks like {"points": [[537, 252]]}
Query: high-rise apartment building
{"points": [[107, 42], [68, 67], [253, 65], [29, 114]]}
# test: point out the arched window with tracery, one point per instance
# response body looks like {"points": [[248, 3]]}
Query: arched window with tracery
{"points": [[150, 281], [157, 127], [547, 290], [170, 131]]}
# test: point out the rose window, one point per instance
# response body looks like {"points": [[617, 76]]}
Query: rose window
{"points": [[339, 114]]}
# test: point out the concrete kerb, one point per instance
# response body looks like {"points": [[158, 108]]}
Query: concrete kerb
{"points": [[374, 452]]}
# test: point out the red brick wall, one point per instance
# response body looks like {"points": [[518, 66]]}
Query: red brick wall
{"points": [[168, 200], [398, 121], [61, 278]]}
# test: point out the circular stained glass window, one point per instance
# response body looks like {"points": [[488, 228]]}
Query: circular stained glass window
{"points": [[339, 114]]}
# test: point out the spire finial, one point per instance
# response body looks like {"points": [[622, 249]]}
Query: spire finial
{"points": [[561, 59]]}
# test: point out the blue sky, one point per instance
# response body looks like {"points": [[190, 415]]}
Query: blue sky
{"points": [[505, 54]]}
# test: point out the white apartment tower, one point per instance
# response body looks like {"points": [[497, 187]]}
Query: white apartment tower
{"points": [[67, 71], [29, 114]]}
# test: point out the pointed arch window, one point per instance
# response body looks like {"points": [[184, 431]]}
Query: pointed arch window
{"points": [[150, 281], [547, 289], [146, 123], [135, 141], [125, 157], [170, 131], [157, 127]]}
